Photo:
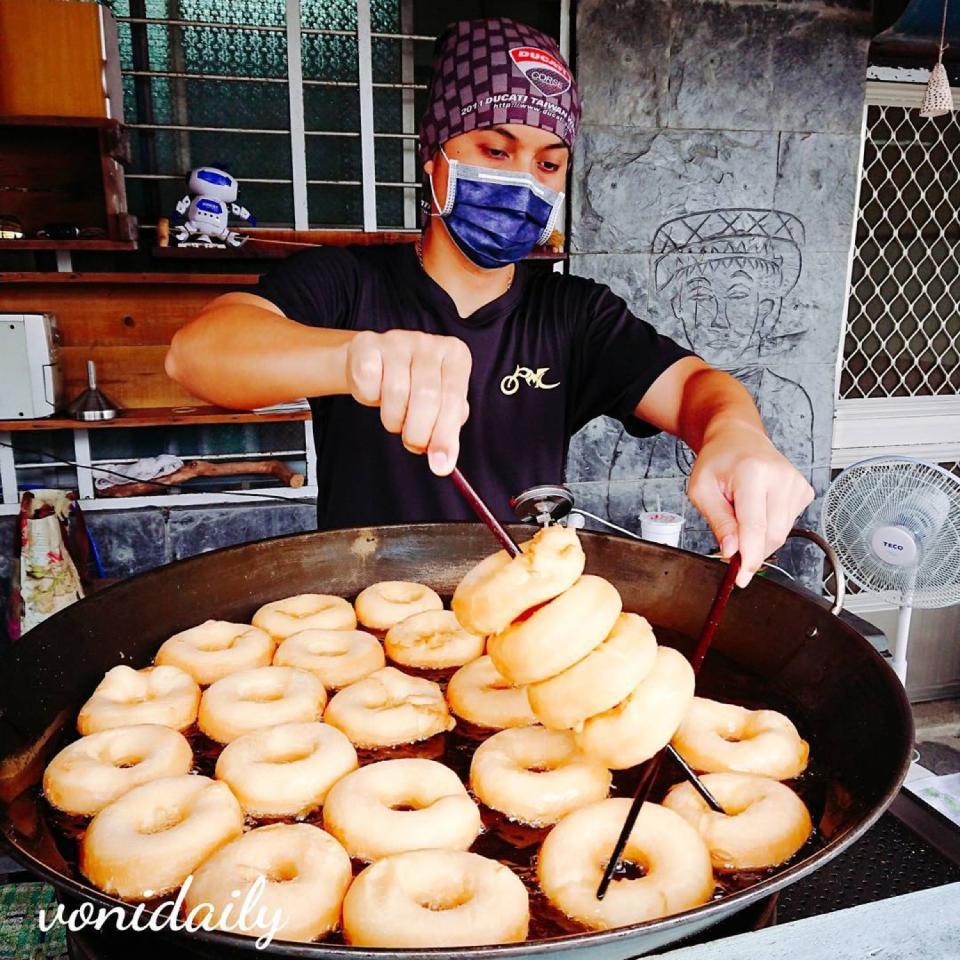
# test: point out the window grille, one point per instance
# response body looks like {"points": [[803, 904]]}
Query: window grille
{"points": [[903, 325], [312, 104]]}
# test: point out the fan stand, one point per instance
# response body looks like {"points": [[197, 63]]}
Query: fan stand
{"points": [[903, 630]]}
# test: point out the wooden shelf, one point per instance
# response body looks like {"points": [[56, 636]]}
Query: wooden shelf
{"points": [[129, 279], [77, 244], [156, 417]]}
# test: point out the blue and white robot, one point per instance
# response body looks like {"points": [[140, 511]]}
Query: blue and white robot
{"points": [[204, 212]]}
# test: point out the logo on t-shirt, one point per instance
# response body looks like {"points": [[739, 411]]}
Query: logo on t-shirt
{"points": [[510, 384], [542, 69]]}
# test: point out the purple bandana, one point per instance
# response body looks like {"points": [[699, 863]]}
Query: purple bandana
{"points": [[488, 72]]}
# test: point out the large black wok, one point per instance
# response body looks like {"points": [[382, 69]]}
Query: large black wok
{"points": [[777, 646]]}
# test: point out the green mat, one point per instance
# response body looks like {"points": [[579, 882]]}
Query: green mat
{"points": [[20, 935]]}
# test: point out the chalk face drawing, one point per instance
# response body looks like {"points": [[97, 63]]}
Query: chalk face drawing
{"points": [[725, 274]]}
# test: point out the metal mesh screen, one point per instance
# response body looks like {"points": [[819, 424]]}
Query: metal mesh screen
{"points": [[903, 327]]}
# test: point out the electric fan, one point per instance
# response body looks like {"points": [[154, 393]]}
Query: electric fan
{"points": [[895, 524]]}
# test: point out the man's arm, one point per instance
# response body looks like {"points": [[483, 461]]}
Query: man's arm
{"points": [[749, 492], [242, 352]]}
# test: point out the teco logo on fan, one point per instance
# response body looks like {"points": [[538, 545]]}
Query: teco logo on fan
{"points": [[542, 69]]}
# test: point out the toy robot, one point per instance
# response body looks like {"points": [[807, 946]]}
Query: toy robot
{"points": [[204, 212]]}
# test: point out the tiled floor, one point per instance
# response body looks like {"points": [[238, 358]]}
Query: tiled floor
{"points": [[938, 735]]}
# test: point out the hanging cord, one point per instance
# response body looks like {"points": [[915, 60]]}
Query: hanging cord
{"points": [[943, 31], [55, 459]]}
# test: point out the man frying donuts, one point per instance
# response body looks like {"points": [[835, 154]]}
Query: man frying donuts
{"points": [[456, 349]]}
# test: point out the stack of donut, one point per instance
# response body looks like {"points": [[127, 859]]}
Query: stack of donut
{"points": [[559, 684], [588, 667]]}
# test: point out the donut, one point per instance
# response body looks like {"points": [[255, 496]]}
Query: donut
{"points": [[500, 588], [305, 876], [147, 842], [725, 738], [126, 697], [91, 772], [336, 657], [558, 634], [398, 805], [251, 699], [432, 640], [285, 770], [306, 611], [536, 776], [389, 708], [674, 858], [603, 678], [215, 648], [384, 604], [641, 725], [435, 898], [481, 695], [764, 824]]}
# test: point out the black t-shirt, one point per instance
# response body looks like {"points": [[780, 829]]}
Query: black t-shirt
{"points": [[549, 355]]}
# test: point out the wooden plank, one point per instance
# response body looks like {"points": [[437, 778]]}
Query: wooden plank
{"points": [[118, 316], [132, 376], [156, 417], [138, 279], [924, 924], [52, 58], [78, 244]]}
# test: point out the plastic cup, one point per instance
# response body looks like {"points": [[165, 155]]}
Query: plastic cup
{"points": [[661, 527]]}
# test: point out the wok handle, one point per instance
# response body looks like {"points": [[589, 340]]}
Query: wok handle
{"points": [[834, 560]]}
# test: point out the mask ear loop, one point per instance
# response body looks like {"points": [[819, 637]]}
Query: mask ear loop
{"points": [[451, 187]]}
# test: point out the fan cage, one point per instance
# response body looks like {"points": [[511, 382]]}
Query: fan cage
{"points": [[899, 491]]}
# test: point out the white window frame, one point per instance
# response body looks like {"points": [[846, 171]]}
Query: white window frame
{"points": [[923, 427]]}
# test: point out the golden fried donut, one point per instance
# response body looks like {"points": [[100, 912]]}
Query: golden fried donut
{"points": [[574, 854], [336, 657], [397, 805], [535, 775], [384, 604], [306, 611], [285, 770], [637, 728], [764, 822], [251, 699], [603, 678], [558, 634], [126, 697], [215, 648], [91, 772], [480, 694], [435, 898], [147, 842], [500, 588], [389, 708], [306, 874], [432, 640], [722, 737]]}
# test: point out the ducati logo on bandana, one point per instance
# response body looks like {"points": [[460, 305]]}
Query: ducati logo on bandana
{"points": [[542, 69]]}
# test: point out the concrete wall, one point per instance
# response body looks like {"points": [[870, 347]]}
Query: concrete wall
{"points": [[714, 189], [132, 541]]}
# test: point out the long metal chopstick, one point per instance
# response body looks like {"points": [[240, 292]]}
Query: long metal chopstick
{"points": [[653, 764]]}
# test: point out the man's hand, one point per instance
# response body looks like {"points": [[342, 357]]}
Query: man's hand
{"points": [[749, 492], [419, 381]]}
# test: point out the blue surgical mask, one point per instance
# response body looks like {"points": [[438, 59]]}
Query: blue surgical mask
{"points": [[496, 217]]}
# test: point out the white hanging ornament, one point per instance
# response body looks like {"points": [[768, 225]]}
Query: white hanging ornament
{"points": [[938, 98]]}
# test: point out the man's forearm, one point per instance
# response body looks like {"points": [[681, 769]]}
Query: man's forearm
{"points": [[714, 401], [238, 355]]}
